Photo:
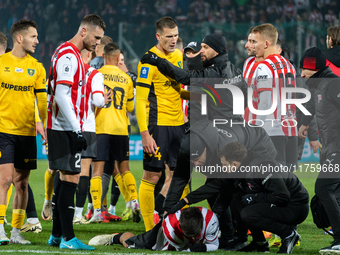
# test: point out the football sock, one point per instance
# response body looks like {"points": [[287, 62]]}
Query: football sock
{"points": [[9, 194], [160, 183], [2, 214], [78, 212], [56, 226], [116, 238], [115, 193], [34, 220], [96, 191], [159, 204], [66, 208], [186, 191], [122, 187], [30, 208], [147, 203], [130, 184], [81, 191], [18, 217], [48, 185], [105, 187]]}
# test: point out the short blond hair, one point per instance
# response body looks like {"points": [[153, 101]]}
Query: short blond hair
{"points": [[268, 31]]}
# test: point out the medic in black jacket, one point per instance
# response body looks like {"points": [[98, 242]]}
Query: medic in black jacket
{"points": [[214, 59], [271, 200]]}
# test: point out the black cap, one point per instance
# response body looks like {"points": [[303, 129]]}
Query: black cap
{"points": [[313, 59], [195, 46], [217, 42]]}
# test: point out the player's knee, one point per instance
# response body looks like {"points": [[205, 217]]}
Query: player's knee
{"points": [[152, 174]]}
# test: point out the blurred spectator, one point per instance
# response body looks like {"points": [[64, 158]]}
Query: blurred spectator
{"points": [[330, 18], [315, 17], [201, 9], [289, 11]]}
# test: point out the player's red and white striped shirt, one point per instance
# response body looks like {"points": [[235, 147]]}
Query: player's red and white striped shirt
{"points": [[175, 238], [249, 68], [94, 84], [276, 72], [185, 102], [67, 68]]}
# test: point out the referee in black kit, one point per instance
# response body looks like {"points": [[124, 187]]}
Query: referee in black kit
{"points": [[325, 104]]}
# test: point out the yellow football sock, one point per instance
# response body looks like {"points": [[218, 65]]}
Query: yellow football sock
{"points": [[48, 185], [9, 194], [147, 203], [96, 191], [2, 213], [18, 217], [130, 184], [125, 193], [186, 191]]}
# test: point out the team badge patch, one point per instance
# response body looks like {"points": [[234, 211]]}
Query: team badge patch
{"points": [[67, 70], [179, 63], [30, 72], [144, 72]]}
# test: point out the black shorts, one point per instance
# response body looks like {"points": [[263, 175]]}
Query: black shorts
{"points": [[61, 152], [91, 150], [287, 150], [168, 140], [112, 147], [19, 150]]}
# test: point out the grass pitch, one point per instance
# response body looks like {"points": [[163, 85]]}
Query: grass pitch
{"points": [[313, 238]]}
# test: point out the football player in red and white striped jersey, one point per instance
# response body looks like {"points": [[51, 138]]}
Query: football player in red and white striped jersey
{"points": [[274, 73], [193, 229], [66, 116], [249, 68]]}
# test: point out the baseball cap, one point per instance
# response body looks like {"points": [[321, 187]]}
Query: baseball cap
{"points": [[313, 59], [195, 46], [217, 42]]}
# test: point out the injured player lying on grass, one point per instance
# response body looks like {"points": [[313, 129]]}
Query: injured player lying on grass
{"points": [[192, 229]]}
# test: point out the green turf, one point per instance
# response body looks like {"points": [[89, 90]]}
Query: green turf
{"points": [[312, 238]]}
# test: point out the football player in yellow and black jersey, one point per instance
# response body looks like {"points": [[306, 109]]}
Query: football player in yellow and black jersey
{"points": [[22, 81], [112, 131], [159, 116]]}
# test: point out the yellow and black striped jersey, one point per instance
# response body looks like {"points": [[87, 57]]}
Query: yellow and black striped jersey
{"points": [[113, 119], [157, 101], [20, 79]]}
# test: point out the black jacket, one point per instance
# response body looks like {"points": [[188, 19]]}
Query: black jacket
{"points": [[218, 67], [278, 188], [254, 139], [333, 59], [325, 104]]}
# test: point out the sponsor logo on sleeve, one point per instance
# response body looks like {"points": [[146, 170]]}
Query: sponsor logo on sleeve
{"points": [[144, 72], [67, 70]]}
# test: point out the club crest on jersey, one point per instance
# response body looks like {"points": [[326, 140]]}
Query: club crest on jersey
{"points": [[18, 70], [30, 72], [179, 63], [144, 72]]}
